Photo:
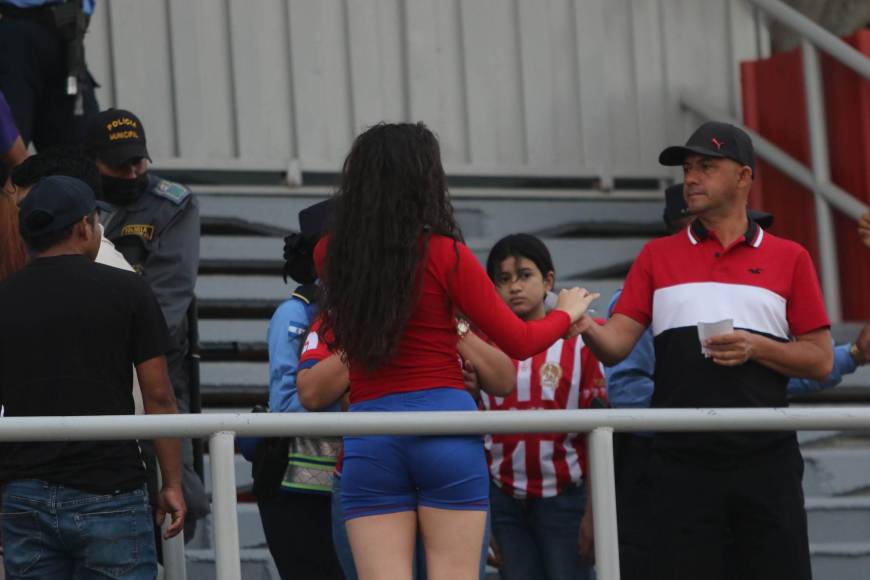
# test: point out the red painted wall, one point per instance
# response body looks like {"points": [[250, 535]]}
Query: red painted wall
{"points": [[774, 105]]}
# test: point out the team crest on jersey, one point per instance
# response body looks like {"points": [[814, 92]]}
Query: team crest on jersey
{"points": [[311, 342], [550, 374]]}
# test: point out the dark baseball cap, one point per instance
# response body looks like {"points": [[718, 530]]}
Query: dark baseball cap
{"points": [[713, 139], [312, 219], [116, 136], [676, 208], [54, 203]]}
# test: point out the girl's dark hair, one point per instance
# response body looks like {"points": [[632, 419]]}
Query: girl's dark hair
{"points": [[392, 196], [519, 246]]}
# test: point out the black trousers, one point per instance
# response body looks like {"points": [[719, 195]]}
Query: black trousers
{"points": [[298, 529], [633, 504], [744, 516], [33, 80]]}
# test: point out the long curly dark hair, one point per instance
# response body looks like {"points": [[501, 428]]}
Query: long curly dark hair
{"points": [[392, 196]]}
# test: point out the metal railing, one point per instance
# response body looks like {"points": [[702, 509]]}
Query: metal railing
{"points": [[600, 423], [818, 178]]}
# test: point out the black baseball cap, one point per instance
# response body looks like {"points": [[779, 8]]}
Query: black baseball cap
{"points": [[713, 139], [676, 208], [54, 203], [312, 220], [116, 136]]}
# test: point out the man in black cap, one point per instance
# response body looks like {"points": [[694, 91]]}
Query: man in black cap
{"points": [[154, 223], [72, 332], [630, 384], [723, 266]]}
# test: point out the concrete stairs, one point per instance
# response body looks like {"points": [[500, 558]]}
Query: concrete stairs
{"points": [[593, 237], [837, 490]]}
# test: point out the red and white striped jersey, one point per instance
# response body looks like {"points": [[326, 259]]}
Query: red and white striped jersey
{"points": [[565, 376]]}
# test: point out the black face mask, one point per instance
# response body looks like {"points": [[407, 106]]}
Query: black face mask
{"points": [[118, 191]]}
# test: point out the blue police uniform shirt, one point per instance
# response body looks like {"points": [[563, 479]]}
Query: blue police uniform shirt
{"points": [[630, 384], [87, 5], [285, 336]]}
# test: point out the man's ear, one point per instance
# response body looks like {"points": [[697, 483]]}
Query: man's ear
{"points": [[745, 176], [83, 229]]}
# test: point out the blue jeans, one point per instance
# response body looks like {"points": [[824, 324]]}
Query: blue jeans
{"points": [[538, 537], [52, 532], [345, 556]]}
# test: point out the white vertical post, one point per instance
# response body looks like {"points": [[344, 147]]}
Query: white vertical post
{"points": [[226, 521], [822, 172], [600, 443], [762, 32]]}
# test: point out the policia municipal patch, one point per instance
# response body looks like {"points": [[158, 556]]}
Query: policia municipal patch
{"points": [[144, 231]]}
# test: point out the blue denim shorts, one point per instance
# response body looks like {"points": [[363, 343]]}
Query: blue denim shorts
{"points": [[53, 531], [387, 474]]}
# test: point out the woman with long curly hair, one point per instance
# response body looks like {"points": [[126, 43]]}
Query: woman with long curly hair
{"points": [[395, 276]]}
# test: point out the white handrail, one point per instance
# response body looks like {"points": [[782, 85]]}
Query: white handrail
{"points": [[222, 428], [820, 37], [110, 427]]}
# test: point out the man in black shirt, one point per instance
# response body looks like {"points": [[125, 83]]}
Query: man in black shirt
{"points": [[72, 332]]}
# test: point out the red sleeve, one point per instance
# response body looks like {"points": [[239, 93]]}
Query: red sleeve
{"points": [[636, 300], [805, 309], [320, 255], [474, 294], [314, 350]]}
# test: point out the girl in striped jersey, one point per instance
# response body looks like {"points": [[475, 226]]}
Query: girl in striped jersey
{"points": [[538, 497]]}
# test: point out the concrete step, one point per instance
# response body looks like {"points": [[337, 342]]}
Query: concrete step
{"points": [[843, 561], [243, 331], [486, 214], [252, 255], [836, 472], [251, 536], [838, 520], [211, 286], [807, 439], [257, 564], [236, 383], [241, 247]]}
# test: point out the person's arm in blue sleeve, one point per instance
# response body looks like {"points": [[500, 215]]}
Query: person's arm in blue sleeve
{"points": [[286, 332], [844, 364], [630, 383]]}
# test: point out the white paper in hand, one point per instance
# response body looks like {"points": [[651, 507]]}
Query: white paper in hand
{"points": [[710, 329]]}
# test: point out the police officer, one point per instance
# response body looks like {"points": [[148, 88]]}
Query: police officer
{"points": [[42, 69], [154, 223]]}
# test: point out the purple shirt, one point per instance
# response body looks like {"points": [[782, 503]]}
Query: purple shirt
{"points": [[8, 130]]}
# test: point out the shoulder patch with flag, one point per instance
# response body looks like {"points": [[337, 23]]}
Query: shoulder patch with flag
{"points": [[174, 192]]}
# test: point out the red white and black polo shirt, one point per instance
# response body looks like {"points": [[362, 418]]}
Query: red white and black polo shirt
{"points": [[767, 285]]}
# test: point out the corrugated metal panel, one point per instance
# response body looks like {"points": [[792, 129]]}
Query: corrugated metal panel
{"points": [[512, 87]]}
